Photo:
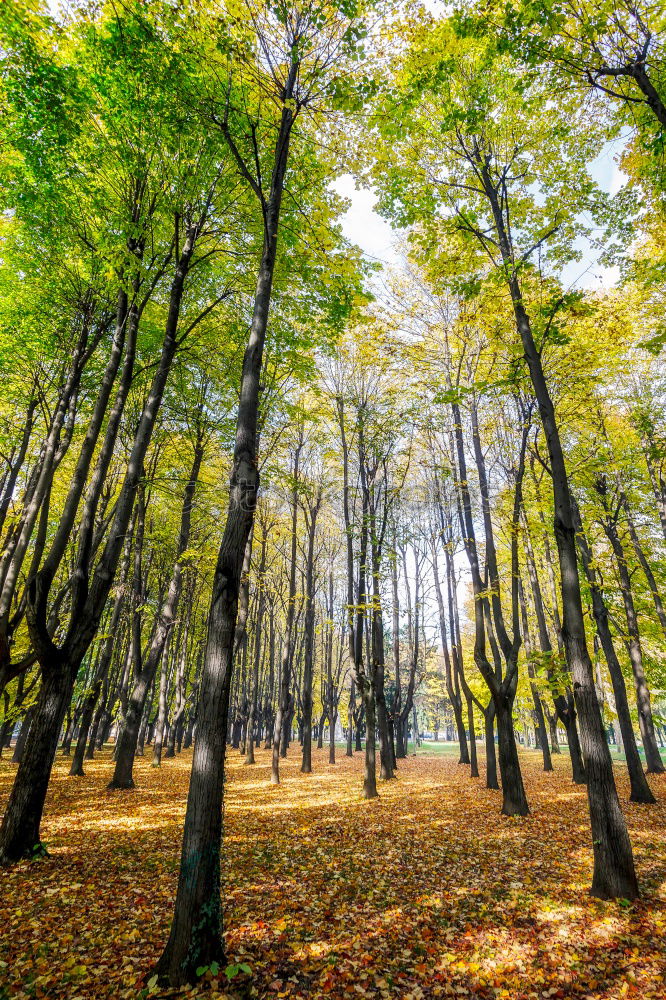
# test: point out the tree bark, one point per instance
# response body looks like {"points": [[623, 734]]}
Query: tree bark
{"points": [[652, 756], [454, 695], [147, 666], [564, 706], [614, 873], [279, 733], [60, 665], [195, 938], [309, 624], [22, 736], [640, 790], [23, 814]]}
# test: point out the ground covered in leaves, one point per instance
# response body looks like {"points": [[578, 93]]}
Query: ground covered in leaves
{"points": [[425, 892]]}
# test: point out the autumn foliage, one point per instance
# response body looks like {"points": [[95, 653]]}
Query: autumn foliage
{"points": [[425, 892]]}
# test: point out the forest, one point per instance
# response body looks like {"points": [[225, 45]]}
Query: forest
{"points": [[332, 499]]}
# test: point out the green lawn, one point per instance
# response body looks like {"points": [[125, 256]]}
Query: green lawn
{"points": [[451, 749], [444, 748]]}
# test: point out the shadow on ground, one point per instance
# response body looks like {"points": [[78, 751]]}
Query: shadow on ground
{"points": [[425, 892]]}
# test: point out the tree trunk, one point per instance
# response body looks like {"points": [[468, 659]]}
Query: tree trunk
{"points": [[309, 623], [5, 734], [351, 708], [76, 770], [279, 733], [22, 736], [19, 833], [254, 695], [162, 707], [176, 726], [72, 722], [370, 769], [614, 873], [147, 666], [145, 726], [453, 693], [195, 939], [640, 790], [645, 721], [542, 734], [474, 769], [60, 667], [491, 757], [514, 800], [102, 666], [564, 706]]}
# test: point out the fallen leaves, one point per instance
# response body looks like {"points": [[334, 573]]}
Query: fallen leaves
{"points": [[424, 893]]}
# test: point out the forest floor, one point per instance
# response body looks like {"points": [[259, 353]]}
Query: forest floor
{"points": [[424, 892]]}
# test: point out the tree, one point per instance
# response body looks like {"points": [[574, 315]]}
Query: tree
{"points": [[61, 656], [483, 164], [293, 54]]}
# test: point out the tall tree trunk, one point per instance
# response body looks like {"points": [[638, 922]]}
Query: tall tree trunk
{"points": [[413, 626], [179, 708], [457, 653], [23, 814], [162, 706], [614, 873], [400, 749], [363, 669], [147, 666], [22, 736], [279, 733], [351, 708], [333, 694], [492, 780], [60, 666], [102, 667], [564, 706], [254, 696], [539, 715], [640, 790], [370, 765], [514, 801], [308, 659], [195, 938], [453, 693], [502, 689], [645, 721], [385, 754]]}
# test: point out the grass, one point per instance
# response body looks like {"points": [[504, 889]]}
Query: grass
{"points": [[452, 749]]}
